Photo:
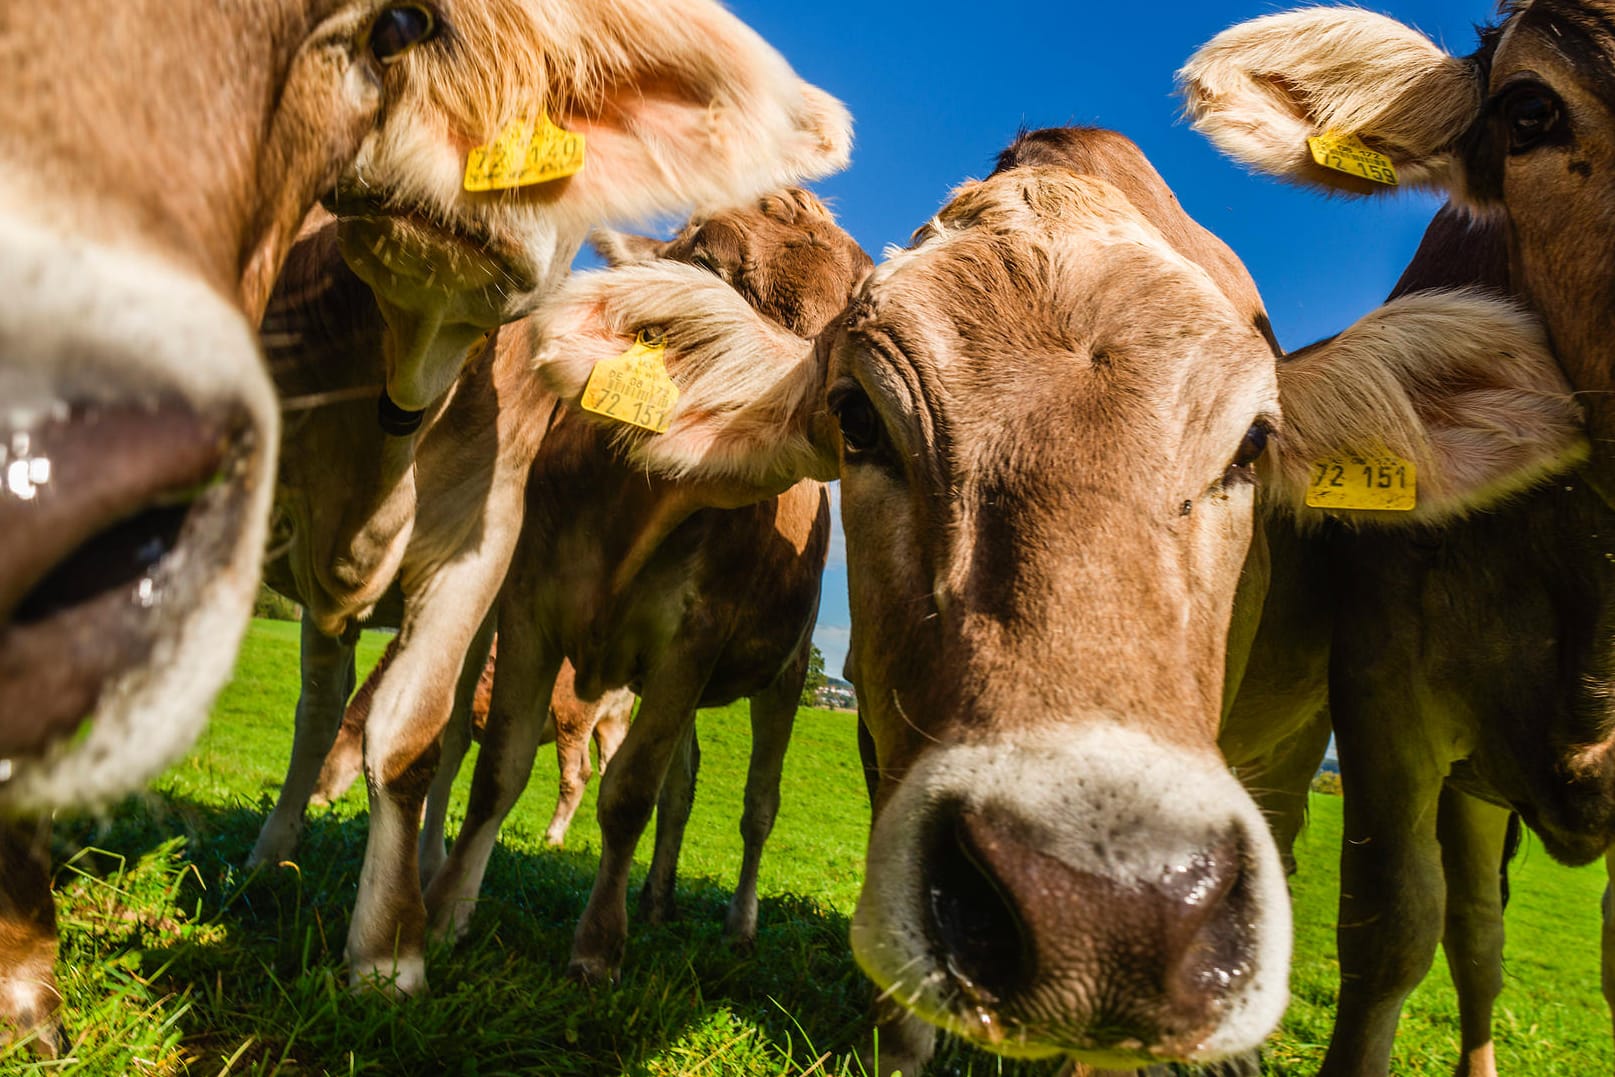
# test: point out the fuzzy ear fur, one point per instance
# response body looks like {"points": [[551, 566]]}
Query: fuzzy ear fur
{"points": [[683, 107], [625, 248], [1260, 89], [749, 392], [1462, 383]]}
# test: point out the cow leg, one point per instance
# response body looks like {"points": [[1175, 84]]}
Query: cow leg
{"points": [[456, 742], [387, 936], [1392, 893], [1473, 835], [658, 903], [572, 729], [1282, 785], [1607, 950], [29, 999], [628, 792], [773, 716], [326, 664], [517, 720]]}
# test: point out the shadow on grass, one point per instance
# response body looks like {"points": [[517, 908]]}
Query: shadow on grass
{"points": [[250, 969]]}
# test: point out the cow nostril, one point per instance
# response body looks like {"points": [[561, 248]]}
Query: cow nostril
{"points": [[972, 920], [1207, 943], [116, 558]]}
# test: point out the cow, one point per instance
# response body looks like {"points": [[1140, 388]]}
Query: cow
{"points": [[1447, 667], [147, 203], [1055, 417], [131, 376], [571, 724], [651, 585], [455, 526]]}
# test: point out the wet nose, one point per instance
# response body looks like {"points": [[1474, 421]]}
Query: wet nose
{"points": [[1117, 962], [91, 499]]}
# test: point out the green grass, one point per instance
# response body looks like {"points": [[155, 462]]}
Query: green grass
{"points": [[174, 961]]}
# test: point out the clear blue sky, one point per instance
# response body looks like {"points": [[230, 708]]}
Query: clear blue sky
{"points": [[936, 89]]}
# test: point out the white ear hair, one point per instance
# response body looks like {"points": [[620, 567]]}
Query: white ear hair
{"points": [[748, 389], [1262, 88], [1462, 383]]}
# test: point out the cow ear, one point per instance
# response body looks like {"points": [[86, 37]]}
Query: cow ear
{"points": [[749, 412], [687, 107], [1460, 383], [1260, 90], [625, 248]]}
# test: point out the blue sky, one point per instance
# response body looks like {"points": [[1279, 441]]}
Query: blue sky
{"points": [[938, 89]]}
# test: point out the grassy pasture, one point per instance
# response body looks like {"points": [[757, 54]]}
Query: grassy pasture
{"points": [[174, 961]]}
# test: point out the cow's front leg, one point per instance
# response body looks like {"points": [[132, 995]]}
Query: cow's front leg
{"points": [[658, 902], [1607, 953], [523, 680], [1392, 892], [773, 716], [387, 936], [456, 742], [29, 1001], [326, 666], [1473, 835], [572, 732], [628, 792]]}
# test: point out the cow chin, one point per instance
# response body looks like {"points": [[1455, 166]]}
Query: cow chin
{"points": [[1096, 894], [137, 438]]}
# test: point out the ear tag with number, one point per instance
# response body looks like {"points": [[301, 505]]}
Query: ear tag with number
{"points": [[1377, 480], [527, 152], [1346, 153], [634, 388]]}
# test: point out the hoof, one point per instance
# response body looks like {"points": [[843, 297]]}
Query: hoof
{"points": [[394, 982], [591, 972]]}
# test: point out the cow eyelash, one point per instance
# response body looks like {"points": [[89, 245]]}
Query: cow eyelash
{"points": [[1242, 469], [862, 433]]}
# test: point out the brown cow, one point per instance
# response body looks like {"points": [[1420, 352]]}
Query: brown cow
{"points": [[137, 430], [649, 584], [457, 525], [1474, 656], [571, 724], [1047, 416]]}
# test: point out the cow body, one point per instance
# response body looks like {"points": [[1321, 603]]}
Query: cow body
{"points": [[1047, 416], [440, 509]]}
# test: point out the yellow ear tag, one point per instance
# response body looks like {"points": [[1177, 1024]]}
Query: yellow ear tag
{"points": [[526, 152], [634, 387], [1378, 480], [1346, 153]]}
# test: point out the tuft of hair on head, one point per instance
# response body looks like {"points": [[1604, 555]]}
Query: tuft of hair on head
{"points": [[748, 389], [1259, 90], [1462, 383]]}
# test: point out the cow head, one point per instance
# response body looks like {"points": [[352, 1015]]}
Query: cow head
{"points": [[677, 104], [1520, 132], [146, 207], [1053, 417], [146, 202]]}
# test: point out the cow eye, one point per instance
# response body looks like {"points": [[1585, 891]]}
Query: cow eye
{"points": [[1251, 448], [861, 431], [399, 29], [1253, 445], [1532, 114]]}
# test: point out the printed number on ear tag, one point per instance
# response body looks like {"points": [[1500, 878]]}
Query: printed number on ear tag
{"points": [[527, 152], [1346, 153], [1379, 480], [634, 388]]}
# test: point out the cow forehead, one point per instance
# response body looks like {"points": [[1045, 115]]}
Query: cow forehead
{"points": [[1581, 35], [1048, 255]]}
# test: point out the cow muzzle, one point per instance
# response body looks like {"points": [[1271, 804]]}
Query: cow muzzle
{"points": [[137, 437], [1099, 896]]}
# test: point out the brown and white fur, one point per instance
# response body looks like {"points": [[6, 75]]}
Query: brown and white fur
{"points": [[1048, 417], [1519, 134], [660, 584]]}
